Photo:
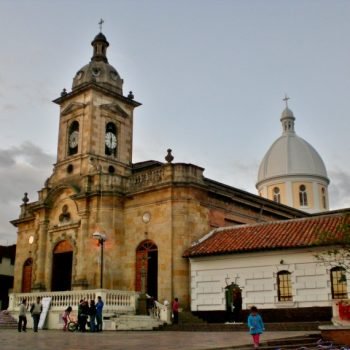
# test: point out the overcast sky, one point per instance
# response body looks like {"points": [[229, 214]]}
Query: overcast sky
{"points": [[211, 76]]}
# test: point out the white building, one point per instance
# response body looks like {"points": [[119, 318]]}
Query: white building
{"points": [[292, 172], [273, 264]]}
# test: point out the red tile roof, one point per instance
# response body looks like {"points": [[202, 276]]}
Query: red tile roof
{"points": [[273, 235]]}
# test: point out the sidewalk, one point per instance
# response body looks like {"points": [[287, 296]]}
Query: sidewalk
{"points": [[56, 340]]}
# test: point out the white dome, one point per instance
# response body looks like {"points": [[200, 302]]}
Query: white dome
{"points": [[290, 155]]}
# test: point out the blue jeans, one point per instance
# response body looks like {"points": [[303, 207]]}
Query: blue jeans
{"points": [[92, 323], [99, 322]]}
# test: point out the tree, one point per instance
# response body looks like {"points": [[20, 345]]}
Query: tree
{"points": [[337, 245]]}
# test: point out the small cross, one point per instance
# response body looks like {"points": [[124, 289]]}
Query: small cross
{"points": [[286, 98], [100, 24]]}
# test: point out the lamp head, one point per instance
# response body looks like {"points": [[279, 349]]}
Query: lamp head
{"points": [[99, 236]]}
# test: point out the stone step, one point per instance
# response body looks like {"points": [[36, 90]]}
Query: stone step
{"points": [[136, 322], [7, 321], [241, 327]]}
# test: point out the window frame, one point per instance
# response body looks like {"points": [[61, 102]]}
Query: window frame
{"points": [[335, 274], [284, 286]]}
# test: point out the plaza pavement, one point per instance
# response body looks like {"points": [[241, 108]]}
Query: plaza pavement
{"points": [[57, 340]]}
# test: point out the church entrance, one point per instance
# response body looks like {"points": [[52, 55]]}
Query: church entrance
{"points": [[27, 276], [147, 268], [62, 267]]}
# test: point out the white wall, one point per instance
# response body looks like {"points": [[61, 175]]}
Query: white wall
{"points": [[256, 274]]}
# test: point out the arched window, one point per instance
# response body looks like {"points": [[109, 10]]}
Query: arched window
{"points": [[324, 198], [73, 138], [302, 196], [284, 286], [111, 141], [277, 195], [339, 284]]}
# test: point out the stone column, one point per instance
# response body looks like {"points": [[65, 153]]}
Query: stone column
{"points": [[40, 261], [80, 281]]}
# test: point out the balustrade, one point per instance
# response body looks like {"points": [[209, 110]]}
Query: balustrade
{"points": [[114, 300]]}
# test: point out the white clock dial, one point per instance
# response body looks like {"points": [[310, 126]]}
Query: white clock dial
{"points": [[73, 139], [146, 217], [110, 140]]}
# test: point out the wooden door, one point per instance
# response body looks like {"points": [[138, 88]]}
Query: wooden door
{"points": [[27, 276]]}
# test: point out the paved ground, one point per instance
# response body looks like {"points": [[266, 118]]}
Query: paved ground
{"points": [[57, 340]]}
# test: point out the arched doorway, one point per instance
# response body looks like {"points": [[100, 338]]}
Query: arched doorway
{"points": [[27, 276], [62, 260], [147, 268]]}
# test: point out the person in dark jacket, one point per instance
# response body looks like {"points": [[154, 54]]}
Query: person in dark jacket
{"points": [[83, 311], [92, 315]]}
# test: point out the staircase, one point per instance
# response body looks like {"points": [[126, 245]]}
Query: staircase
{"points": [[190, 323], [135, 323], [7, 321]]}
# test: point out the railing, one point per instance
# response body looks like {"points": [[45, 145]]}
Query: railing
{"points": [[161, 312], [114, 300]]}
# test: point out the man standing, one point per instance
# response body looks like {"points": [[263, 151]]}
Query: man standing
{"points": [[36, 310], [22, 317], [99, 307]]}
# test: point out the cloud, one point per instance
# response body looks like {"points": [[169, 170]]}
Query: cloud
{"points": [[339, 190], [23, 168]]}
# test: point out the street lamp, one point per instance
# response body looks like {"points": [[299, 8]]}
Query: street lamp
{"points": [[101, 238]]}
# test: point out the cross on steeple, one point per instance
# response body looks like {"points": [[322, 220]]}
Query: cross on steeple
{"points": [[286, 98], [100, 24]]}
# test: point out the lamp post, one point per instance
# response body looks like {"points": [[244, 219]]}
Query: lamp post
{"points": [[101, 238]]}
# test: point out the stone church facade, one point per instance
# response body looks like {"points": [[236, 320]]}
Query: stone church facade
{"points": [[150, 212]]}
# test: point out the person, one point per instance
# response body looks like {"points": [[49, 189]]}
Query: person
{"points": [[35, 311], [99, 308], [22, 316], [92, 315], [256, 325], [175, 309], [65, 317], [83, 311]]}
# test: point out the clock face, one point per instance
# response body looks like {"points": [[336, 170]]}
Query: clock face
{"points": [[110, 140], [73, 139], [146, 217]]}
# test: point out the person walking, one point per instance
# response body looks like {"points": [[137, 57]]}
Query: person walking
{"points": [[65, 317], [92, 315], [175, 309], [256, 325], [22, 316], [99, 308], [35, 311]]}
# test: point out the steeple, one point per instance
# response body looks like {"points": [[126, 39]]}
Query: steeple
{"points": [[287, 119]]}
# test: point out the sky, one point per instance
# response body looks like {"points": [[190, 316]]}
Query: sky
{"points": [[211, 75]]}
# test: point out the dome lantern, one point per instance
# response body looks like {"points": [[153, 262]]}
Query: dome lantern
{"points": [[100, 45], [287, 118]]}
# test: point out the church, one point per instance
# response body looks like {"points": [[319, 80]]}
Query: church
{"points": [[144, 215]]}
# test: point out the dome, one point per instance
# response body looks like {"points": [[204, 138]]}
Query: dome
{"points": [[290, 155], [99, 71]]}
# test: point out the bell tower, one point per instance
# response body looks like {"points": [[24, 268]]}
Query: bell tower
{"points": [[96, 120]]}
